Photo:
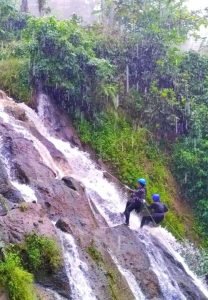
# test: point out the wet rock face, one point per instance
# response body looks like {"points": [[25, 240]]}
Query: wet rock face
{"points": [[131, 255], [185, 282], [64, 225], [47, 294], [63, 200], [7, 191], [57, 282], [25, 218], [58, 121], [17, 112]]}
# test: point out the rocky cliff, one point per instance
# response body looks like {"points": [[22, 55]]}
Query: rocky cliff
{"points": [[67, 196]]}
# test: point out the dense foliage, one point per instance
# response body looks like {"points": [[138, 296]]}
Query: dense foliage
{"points": [[17, 282], [64, 62], [190, 153], [39, 254], [11, 21], [34, 256], [131, 64]]}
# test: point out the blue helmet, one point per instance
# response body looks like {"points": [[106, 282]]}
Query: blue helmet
{"points": [[156, 197], [142, 181]]}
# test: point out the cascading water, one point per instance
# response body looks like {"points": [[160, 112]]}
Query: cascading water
{"points": [[76, 269], [26, 192], [43, 151], [175, 248], [108, 201], [130, 279], [169, 287]]}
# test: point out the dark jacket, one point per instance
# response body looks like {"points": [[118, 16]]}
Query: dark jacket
{"points": [[158, 207], [139, 195]]}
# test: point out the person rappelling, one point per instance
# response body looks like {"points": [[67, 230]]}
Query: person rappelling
{"points": [[136, 200], [156, 211]]}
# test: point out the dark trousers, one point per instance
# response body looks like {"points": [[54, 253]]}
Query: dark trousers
{"points": [[131, 206], [155, 217]]}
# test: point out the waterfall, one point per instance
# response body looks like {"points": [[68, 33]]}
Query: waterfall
{"points": [[105, 196], [131, 280], [175, 248], [76, 269], [42, 150], [170, 288], [109, 202], [26, 192]]}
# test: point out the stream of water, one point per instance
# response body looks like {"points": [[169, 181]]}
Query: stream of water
{"points": [[109, 202]]}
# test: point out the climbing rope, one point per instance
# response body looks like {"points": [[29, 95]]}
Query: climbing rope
{"points": [[118, 180], [149, 213]]}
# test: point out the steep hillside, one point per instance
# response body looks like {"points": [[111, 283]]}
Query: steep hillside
{"points": [[54, 194], [127, 87]]}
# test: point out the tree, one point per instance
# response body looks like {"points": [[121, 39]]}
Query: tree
{"points": [[24, 6], [42, 7], [63, 60]]}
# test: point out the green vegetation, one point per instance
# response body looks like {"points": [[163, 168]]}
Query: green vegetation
{"points": [[39, 254], [42, 253], [126, 84], [17, 282], [95, 254], [11, 21], [190, 153], [36, 254], [3, 202], [64, 62], [114, 278], [14, 77], [23, 207], [132, 154]]}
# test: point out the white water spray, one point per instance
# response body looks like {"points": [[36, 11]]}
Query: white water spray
{"points": [[76, 269], [131, 280], [108, 201], [27, 193]]}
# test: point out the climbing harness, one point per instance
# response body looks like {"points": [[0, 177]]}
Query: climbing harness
{"points": [[149, 213]]}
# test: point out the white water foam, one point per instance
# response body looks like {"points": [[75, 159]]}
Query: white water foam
{"points": [[42, 150], [110, 203], [172, 245], [27, 193], [131, 280], [76, 269]]}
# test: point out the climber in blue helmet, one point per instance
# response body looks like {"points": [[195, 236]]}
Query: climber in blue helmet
{"points": [[156, 211], [136, 200]]}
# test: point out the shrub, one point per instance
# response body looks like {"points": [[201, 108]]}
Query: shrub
{"points": [[14, 76], [17, 282], [42, 253]]}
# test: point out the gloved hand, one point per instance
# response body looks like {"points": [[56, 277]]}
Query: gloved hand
{"points": [[144, 201]]}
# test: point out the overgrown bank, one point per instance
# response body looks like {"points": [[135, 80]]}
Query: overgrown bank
{"points": [[21, 263]]}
